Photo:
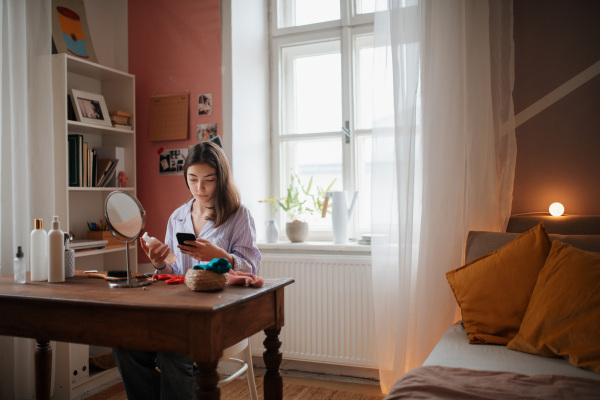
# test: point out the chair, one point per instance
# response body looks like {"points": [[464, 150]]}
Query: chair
{"points": [[244, 365]]}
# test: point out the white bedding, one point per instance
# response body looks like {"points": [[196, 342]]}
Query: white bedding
{"points": [[454, 350]]}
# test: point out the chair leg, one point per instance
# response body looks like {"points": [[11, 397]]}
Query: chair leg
{"points": [[250, 372]]}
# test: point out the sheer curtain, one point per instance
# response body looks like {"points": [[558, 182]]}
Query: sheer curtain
{"points": [[444, 154], [26, 158]]}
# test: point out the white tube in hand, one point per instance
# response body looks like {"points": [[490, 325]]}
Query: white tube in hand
{"points": [[154, 242]]}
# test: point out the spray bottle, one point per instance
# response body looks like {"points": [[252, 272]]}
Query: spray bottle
{"points": [[154, 242]]}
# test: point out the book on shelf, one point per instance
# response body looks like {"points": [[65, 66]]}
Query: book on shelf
{"points": [[85, 165], [74, 160], [119, 119], [114, 153], [121, 113], [107, 170], [122, 126]]}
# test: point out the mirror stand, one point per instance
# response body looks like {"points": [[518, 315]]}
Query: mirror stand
{"points": [[130, 282], [125, 218]]}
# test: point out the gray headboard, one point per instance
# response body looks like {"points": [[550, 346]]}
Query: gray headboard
{"points": [[564, 225], [580, 231]]}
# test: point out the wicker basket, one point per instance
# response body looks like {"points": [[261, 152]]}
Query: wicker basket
{"points": [[200, 280]]}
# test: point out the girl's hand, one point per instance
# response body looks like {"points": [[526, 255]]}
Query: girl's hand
{"points": [[156, 254], [203, 250]]}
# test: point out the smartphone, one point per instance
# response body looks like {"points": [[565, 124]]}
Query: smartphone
{"points": [[182, 237]]}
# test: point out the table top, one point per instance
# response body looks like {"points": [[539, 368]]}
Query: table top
{"points": [[169, 318], [95, 291]]}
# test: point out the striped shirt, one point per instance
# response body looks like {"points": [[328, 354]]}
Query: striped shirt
{"points": [[237, 236]]}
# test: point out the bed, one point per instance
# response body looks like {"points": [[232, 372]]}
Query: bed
{"points": [[548, 347]]}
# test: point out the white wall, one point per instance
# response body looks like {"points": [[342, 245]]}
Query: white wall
{"points": [[107, 22], [246, 127]]}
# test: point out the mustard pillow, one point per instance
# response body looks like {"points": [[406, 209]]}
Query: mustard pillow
{"points": [[563, 317], [493, 291]]}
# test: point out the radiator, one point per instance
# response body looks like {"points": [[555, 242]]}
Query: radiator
{"points": [[328, 310]]}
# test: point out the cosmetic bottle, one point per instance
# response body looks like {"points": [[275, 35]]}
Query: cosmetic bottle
{"points": [[154, 242], [38, 252], [69, 259], [56, 253], [20, 269]]}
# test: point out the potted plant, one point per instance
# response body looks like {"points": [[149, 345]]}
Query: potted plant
{"points": [[299, 203]]}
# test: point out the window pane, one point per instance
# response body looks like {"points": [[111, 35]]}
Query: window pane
{"points": [[320, 159], [363, 80], [363, 159], [305, 12], [365, 6], [311, 88]]}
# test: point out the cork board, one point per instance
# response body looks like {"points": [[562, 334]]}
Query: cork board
{"points": [[169, 117]]}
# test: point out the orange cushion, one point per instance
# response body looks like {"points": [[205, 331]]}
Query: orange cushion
{"points": [[493, 291], [563, 317]]}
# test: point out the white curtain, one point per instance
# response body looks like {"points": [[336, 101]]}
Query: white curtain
{"points": [[26, 157], [444, 154]]}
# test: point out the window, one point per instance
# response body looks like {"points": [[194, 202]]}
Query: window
{"points": [[322, 55]]}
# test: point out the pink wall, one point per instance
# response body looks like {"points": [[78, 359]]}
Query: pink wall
{"points": [[181, 40]]}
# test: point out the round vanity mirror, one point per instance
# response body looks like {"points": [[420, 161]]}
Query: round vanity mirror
{"points": [[125, 218]]}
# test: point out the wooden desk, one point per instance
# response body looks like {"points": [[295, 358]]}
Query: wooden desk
{"points": [[163, 318]]}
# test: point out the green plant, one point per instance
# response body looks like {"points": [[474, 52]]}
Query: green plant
{"points": [[300, 201]]}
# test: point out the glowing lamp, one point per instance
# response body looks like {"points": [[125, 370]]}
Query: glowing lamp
{"points": [[556, 209]]}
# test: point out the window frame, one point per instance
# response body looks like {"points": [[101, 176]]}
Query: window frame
{"points": [[344, 30]]}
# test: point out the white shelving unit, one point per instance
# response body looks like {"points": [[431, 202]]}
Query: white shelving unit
{"points": [[76, 206]]}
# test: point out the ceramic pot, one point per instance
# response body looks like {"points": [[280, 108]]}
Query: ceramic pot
{"points": [[272, 231], [296, 231]]}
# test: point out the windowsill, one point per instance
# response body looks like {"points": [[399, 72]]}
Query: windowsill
{"points": [[315, 247]]}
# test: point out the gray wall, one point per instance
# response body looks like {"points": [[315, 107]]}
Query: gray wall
{"points": [[557, 149]]}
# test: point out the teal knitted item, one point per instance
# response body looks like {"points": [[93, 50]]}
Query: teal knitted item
{"points": [[218, 265]]}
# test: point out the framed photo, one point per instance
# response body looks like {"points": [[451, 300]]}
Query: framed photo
{"points": [[90, 108]]}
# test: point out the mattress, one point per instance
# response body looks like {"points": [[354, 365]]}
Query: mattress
{"points": [[454, 350]]}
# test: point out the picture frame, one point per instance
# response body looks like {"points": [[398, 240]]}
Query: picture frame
{"points": [[90, 108], [70, 31]]}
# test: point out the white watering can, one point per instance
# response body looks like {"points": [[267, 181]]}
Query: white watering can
{"points": [[340, 214]]}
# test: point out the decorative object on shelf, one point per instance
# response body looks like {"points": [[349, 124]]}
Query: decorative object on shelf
{"points": [[300, 203], [272, 231], [123, 179], [70, 33], [340, 214], [90, 108]]}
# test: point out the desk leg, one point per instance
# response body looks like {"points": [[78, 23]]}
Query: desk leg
{"points": [[43, 369], [273, 383], [207, 380]]}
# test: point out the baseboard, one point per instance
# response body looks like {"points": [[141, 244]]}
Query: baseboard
{"points": [[326, 371]]}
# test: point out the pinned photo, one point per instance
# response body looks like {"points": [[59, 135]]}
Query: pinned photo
{"points": [[206, 132], [171, 161], [205, 104]]}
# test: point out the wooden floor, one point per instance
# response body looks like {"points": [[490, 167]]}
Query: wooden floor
{"points": [[333, 382]]}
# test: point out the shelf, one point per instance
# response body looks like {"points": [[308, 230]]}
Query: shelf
{"points": [[95, 71], [99, 189], [87, 253], [83, 127]]}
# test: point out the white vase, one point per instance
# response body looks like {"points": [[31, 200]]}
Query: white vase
{"points": [[272, 231]]}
